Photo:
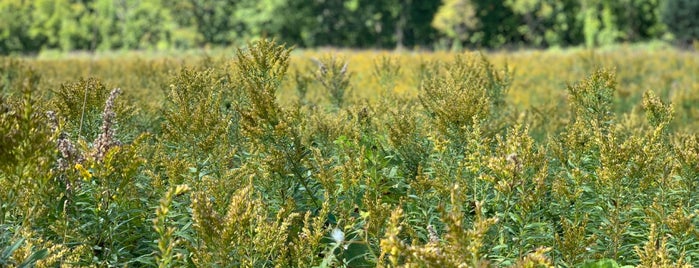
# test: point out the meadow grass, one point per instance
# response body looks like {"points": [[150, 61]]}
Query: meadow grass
{"points": [[266, 156]]}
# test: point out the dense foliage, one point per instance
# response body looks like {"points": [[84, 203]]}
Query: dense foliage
{"points": [[99, 25], [680, 17], [269, 158]]}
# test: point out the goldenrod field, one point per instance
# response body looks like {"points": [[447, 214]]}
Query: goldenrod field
{"points": [[269, 157]]}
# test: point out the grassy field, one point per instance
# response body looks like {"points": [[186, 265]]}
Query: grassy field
{"points": [[268, 157]]}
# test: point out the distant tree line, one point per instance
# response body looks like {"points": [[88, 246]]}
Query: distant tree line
{"points": [[28, 26]]}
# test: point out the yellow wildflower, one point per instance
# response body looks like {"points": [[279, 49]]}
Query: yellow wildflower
{"points": [[83, 172]]}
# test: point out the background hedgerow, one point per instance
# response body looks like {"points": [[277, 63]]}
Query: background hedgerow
{"points": [[351, 159]]}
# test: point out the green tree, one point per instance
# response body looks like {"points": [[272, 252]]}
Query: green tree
{"points": [[358, 23], [641, 19], [132, 24], [332, 20], [206, 22], [261, 18], [498, 25], [547, 22], [479, 23], [413, 22], [16, 20], [75, 30], [457, 20], [144, 24], [105, 34], [681, 19], [610, 21], [48, 16]]}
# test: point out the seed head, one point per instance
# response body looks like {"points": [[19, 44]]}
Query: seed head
{"points": [[513, 160], [106, 139], [432, 233], [337, 235], [321, 67]]}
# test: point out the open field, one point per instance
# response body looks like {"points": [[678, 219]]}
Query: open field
{"points": [[269, 157]]}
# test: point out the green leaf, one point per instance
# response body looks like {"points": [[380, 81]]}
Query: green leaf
{"points": [[5, 255], [605, 263], [36, 256]]}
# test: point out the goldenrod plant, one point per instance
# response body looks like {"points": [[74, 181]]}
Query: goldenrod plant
{"points": [[333, 74], [261, 157]]}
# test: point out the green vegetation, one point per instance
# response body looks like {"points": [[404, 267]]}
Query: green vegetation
{"points": [[354, 159], [31, 27], [681, 19]]}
